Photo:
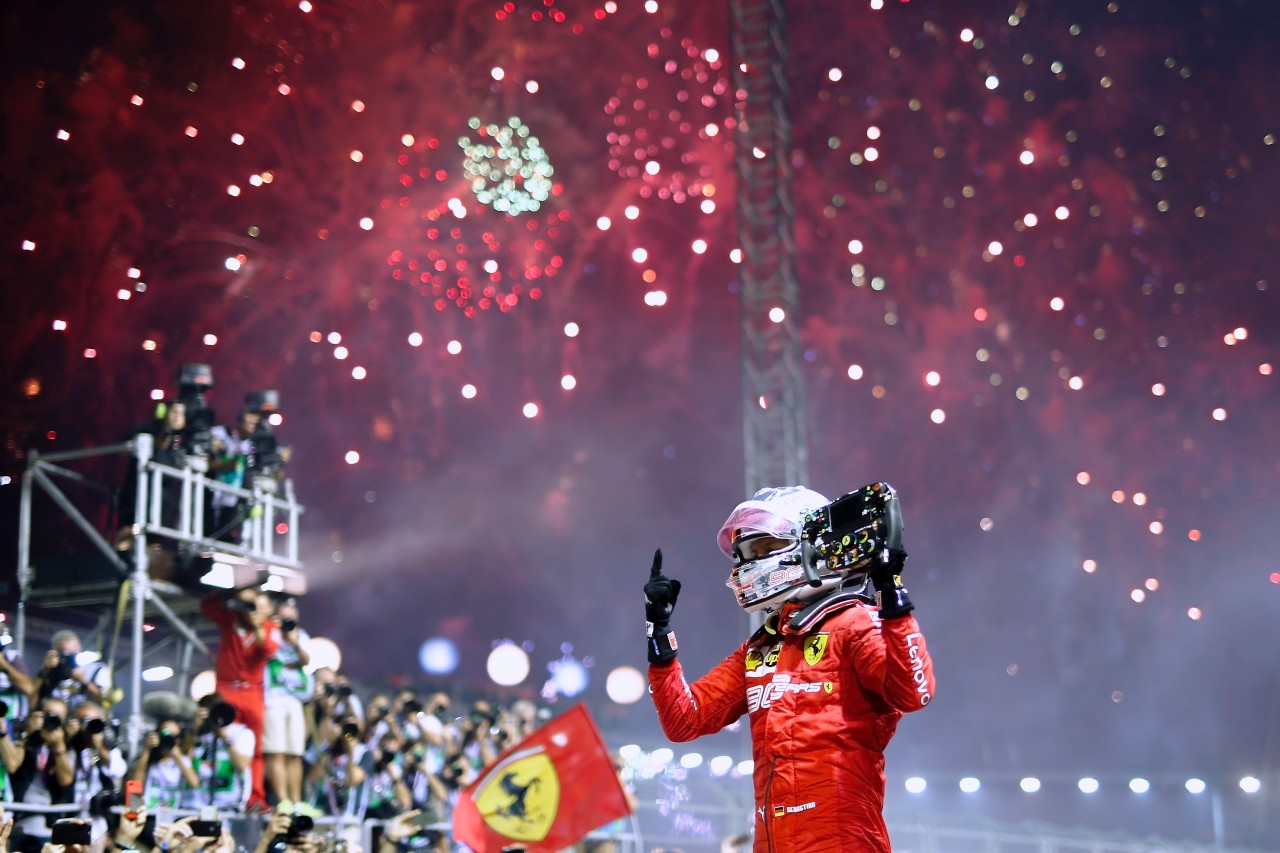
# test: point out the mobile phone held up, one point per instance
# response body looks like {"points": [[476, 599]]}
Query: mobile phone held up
{"points": [[71, 831]]}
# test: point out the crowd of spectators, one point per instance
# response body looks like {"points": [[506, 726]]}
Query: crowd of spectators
{"points": [[288, 754], [330, 760]]}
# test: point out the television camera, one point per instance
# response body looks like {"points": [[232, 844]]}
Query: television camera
{"points": [[193, 381], [265, 458]]}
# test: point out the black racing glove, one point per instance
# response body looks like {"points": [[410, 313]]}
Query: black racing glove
{"points": [[660, 595], [887, 579]]}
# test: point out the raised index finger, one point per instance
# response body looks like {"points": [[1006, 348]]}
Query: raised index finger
{"points": [[657, 564]]}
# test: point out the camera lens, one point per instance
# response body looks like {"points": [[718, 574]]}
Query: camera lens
{"points": [[95, 726], [51, 722], [222, 715], [300, 824], [288, 625]]}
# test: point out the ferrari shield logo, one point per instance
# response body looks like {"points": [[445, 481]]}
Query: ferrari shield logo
{"points": [[521, 797], [814, 648]]}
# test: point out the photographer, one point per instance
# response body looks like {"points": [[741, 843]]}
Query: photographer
{"points": [[340, 769], [388, 793], [288, 686], [46, 772], [289, 832], [407, 832], [247, 641], [11, 755], [62, 677], [477, 733], [170, 446], [229, 452], [436, 730], [16, 686], [429, 794], [456, 775], [379, 718], [99, 765], [164, 767], [334, 699], [221, 752]]}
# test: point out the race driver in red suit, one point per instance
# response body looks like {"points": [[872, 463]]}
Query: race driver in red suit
{"points": [[825, 679]]}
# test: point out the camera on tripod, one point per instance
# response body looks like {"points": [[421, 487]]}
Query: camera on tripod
{"points": [[193, 381], [264, 454], [854, 532]]}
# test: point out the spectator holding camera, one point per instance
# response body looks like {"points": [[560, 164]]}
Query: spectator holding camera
{"points": [[16, 686], [379, 718], [288, 686], [221, 754], [62, 677], [289, 832], [477, 742], [428, 793], [128, 830], [247, 641], [10, 760], [164, 767], [408, 832], [340, 768], [388, 793], [98, 763], [229, 463], [46, 773], [436, 730], [334, 697]]}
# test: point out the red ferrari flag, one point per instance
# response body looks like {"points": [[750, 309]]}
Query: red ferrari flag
{"points": [[543, 794]]}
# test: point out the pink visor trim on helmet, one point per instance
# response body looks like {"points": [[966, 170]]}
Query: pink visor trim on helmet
{"points": [[772, 512]]}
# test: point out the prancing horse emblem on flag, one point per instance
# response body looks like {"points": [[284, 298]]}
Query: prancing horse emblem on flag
{"points": [[521, 798], [814, 648]]}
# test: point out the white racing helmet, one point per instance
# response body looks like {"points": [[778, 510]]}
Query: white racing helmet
{"points": [[762, 537]]}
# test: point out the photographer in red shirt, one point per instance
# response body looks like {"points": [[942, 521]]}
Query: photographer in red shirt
{"points": [[244, 647]]}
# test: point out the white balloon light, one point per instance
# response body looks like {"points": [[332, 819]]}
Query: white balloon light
{"points": [[625, 685], [570, 677], [204, 684], [438, 656], [324, 654], [508, 665], [721, 765], [157, 673]]}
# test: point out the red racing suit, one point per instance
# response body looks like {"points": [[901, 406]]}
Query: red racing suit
{"points": [[824, 694]]}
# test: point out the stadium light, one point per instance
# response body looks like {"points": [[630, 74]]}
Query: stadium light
{"points": [[970, 784], [1088, 785]]}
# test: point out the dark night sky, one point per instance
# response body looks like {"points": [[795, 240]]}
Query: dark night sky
{"points": [[988, 158]]}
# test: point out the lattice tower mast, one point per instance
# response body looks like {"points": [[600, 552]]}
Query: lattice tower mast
{"points": [[775, 423]]}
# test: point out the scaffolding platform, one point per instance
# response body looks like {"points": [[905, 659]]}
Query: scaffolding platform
{"points": [[149, 575]]}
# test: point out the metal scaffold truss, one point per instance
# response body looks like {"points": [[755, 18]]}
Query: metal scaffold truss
{"points": [[774, 410], [163, 561]]}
